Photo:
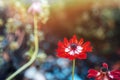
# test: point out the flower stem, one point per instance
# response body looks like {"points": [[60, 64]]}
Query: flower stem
{"points": [[34, 54], [73, 69]]}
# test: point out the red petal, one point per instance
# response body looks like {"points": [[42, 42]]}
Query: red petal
{"points": [[86, 44], [66, 42], [62, 54], [82, 56], [60, 45], [92, 73], [71, 57], [81, 41], [105, 65], [91, 76], [86, 47], [74, 39], [116, 72], [89, 49]]}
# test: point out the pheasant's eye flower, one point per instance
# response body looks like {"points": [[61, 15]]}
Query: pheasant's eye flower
{"points": [[104, 74], [73, 48]]}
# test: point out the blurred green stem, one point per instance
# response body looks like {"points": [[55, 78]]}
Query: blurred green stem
{"points": [[73, 69], [34, 54]]}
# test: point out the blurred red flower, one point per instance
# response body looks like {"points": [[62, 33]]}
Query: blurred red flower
{"points": [[73, 48], [104, 73]]}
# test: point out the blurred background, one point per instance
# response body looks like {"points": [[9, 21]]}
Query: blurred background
{"points": [[97, 21]]}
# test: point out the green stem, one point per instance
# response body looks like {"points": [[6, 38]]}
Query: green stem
{"points": [[73, 69], [34, 54]]}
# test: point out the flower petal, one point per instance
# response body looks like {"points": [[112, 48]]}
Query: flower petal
{"points": [[60, 45], [66, 42], [105, 65], [71, 57], [82, 56], [86, 47], [92, 73], [81, 41], [115, 74], [74, 39]]}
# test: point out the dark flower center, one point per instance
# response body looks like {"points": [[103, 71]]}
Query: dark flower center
{"points": [[104, 69], [73, 46]]}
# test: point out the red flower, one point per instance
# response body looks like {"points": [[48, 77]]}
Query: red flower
{"points": [[73, 48], [104, 73]]}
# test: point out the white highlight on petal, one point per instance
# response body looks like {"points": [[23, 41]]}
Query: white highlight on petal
{"points": [[98, 73], [110, 75], [67, 49], [76, 52], [105, 78], [79, 47], [71, 52]]}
